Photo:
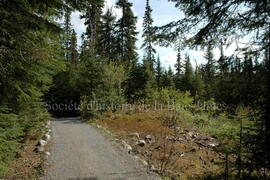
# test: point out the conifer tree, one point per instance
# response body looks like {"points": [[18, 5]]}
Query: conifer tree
{"points": [[107, 41], [149, 80], [148, 36], [198, 85], [167, 79], [126, 33], [209, 72], [67, 34], [179, 70], [188, 74], [73, 48], [222, 61], [92, 15], [158, 73]]}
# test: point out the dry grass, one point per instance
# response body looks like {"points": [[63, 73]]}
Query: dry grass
{"points": [[178, 159], [28, 165]]}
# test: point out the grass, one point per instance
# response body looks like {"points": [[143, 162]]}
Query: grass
{"points": [[194, 164]]}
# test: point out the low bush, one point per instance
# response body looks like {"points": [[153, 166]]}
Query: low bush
{"points": [[15, 129]]}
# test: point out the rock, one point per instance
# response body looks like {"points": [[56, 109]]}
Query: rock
{"points": [[98, 126], [141, 143], [134, 151], [126, 146], [212, 145], [39, 149], [135, 135], [153, 168], [144, 162], [47, 137], [47, 155], [42, 142], [178, 128], [192, 135], [149, 138], [49, 130], [182, 154]]}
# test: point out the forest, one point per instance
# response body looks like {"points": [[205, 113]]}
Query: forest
{"points": [[42, 65]]}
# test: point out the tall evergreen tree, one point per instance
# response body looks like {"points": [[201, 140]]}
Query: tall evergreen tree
{"points": [[107, 41], [158, 73], [209, 72], [188, 75], [179, 70], [148, 36], [126, 32], [222, 61], [67, 33], [167, 79], [92, 15], [198, 85], [73, 48], [149, 80]]}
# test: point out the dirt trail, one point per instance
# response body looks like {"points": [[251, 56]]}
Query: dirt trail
{"points": [[80, 152]]}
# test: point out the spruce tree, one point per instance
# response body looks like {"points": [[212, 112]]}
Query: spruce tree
{"points": [[209, 72], [107, 42], [92, 13], [198, 85], [148, 36], [67, 34], [188, 75], [167, 79], [149, 84], [73, 48], [158, 73], [179, 71], [126, 33]]}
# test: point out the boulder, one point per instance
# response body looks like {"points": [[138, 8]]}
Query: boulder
{"points": [[47, 153], [126, 146], [149, 138], [47, 137], [135, 135], [212, 145], [134, 151], [153, 168], [42, 142], [144, 162], [39, 149], [141, 143]]}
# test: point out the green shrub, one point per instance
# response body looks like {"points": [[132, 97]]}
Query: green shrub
{"points": [[172, 96], [11, 134]]}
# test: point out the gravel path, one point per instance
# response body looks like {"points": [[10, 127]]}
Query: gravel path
{"points": [[80, 152]]}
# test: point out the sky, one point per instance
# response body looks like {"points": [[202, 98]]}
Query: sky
{"points": [[163, 13]]}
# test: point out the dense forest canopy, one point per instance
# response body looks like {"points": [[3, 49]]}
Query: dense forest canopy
{"points": [[40, 62]]}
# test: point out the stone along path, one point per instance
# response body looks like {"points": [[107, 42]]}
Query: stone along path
{"points": [[81, 152]]}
